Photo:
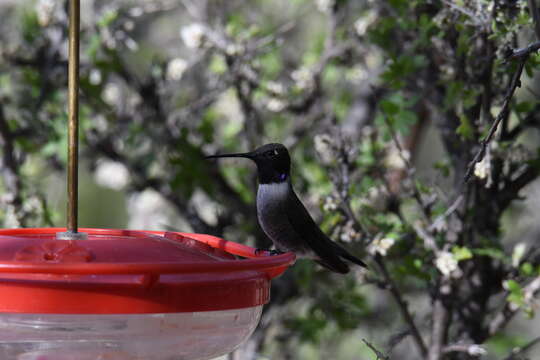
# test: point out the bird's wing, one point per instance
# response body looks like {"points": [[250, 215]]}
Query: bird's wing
{"points": [[329, 253]]}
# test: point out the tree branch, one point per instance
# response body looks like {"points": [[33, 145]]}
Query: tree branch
{"points": [[516, 352], [380, 355], [504, 316], [440, 318], [514, 83], [9, 168], [471, 349], [403, 307], [533, 9]]}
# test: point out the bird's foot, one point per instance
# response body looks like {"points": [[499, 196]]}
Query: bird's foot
{"points": [[271, 251]]}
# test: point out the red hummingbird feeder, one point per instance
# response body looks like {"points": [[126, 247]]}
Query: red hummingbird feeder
{"points": [[99, 294]]}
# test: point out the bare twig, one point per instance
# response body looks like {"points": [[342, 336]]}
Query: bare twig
{"points": [[471, 349], [514, 83], [403, 307], [379, 354], [447, 213], [440, 318], [524, 52], [429, 240]]}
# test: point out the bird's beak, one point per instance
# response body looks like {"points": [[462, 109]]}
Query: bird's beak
{"points": [[247, 155]]}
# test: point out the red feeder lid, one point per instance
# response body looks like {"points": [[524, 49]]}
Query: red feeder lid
{"points": [[124, 271]]}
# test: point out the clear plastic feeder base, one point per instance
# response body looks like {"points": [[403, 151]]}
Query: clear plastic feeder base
{"points": [[171, 336]]}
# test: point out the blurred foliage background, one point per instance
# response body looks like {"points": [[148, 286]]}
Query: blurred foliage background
{"points": [[383, 106]]}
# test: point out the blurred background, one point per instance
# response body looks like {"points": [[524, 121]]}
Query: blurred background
{"points": [[382, 106]]}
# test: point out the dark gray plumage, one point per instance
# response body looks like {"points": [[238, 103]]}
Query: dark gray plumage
{"points": [[282, 216]]}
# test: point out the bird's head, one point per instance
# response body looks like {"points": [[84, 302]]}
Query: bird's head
{"points": [[273, 162]]}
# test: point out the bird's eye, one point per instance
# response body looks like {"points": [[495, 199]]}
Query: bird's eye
{"points": [[269, 153]]}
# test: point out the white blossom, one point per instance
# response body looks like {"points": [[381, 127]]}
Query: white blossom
{"points": [[517, 254], [95, 77], [112, 174], [447, 70], [381, 245], [330, 204], [10, 218], [275, 105], [361, 24], [32, 205], [376, 198], [175, 69], [476, 350], [395, 160], [324, 6], [234, 49], [111, 94], [134, 100], [136, 11], [446, 263], [303, 77], [129, 25], [482, 168], [348, 233], [45, 11], [193, 35], [357, 73], [275, 87], [131, 44]]}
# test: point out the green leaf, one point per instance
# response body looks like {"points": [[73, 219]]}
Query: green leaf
{"points": [[465, 128], [443, 167], [527, 269], [389, 107], [513, 286], [501, 343], [217, 64], [404, 120], [236, 24], [30, 26], [461, 253], [270, 63], [108, 18], [524, 107], [517, 295], [492, 253], [453, 94]]}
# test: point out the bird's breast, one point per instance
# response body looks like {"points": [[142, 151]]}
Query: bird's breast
{"points": [[271, 200], [271, 210]]}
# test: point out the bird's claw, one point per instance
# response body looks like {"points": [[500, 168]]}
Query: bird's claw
{"points": [[272, 252]]}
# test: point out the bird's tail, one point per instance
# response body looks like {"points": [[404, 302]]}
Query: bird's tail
{"points": [[338, 266], [341, 252], [353, 259]]}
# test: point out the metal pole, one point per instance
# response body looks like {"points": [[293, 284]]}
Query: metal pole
{"points": [[73, 135], [73, 122]]}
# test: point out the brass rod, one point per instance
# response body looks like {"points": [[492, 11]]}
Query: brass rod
{"points": [[73, 115]]}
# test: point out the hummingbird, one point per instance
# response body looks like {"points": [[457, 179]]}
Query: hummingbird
{"points": [[283, 217]]}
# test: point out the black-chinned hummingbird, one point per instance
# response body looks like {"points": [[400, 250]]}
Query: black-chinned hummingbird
{"points": [[282, 216]]}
